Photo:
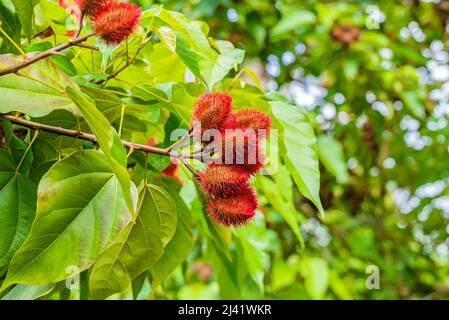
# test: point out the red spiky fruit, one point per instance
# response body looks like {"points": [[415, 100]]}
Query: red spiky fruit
{"points": [[212, 109], [116, 21], [239, 147], [234, 210], [255, 120], [91, 7], [222, 180]]}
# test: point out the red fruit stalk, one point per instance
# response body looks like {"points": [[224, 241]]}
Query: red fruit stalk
{"points": [[222, 180], [115, 21], [234, 210]]}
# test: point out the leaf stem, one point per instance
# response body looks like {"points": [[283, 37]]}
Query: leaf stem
{"points": [[13, 42], [36, 134]]}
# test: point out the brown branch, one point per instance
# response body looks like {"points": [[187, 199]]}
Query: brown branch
{"points": [[83, 135], [45, 54]]}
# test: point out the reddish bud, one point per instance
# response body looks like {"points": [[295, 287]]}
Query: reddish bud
{"points": [[234, 210], [253, 119], [115, 22], [222, 180], [172, 171], [212, 109]]}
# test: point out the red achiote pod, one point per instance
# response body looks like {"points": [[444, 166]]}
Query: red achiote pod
{"points": [[253, 119], [222, 180], [211, 110], [91, 7], [234, 210], [115, 21], [240, 147]]}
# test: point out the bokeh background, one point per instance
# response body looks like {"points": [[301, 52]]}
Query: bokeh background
{"points": [[373, 77]]}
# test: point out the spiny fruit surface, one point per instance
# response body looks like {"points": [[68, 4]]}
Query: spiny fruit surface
{"points": [[253, 119], [239, 147], [212, 109], [91, 7], [222, 180], [116, 21], [234, 210]]}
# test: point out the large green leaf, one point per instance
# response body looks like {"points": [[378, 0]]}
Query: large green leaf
{"points": [[107, 139], [80, 211], [138, 247], [17, 208], [299, 151], [179, 246], [38, 92], [28, 292], [331, 154]]}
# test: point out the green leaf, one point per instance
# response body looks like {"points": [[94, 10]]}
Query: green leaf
{"points": [[17, 208], [282, 204], [187, 55], [138, 247], [298, 143], [24, 10], [253, 242], [413, 103], [80, 212], [215, 69], [107, 139], [331, 154], [179, 246], [316, 274], [292, 21], [11, 25], [37, 93], [28, 292]]}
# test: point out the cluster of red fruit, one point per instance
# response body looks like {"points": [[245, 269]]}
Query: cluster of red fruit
{"points": [[231, 200], [112, 20]]}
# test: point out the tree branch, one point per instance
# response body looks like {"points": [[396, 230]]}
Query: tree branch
{"points": [[45, 54], [84, 136]]}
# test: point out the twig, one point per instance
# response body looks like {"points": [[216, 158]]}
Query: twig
{"points": [[82, 135], [82, 45], [45, 54], [126, 65]]}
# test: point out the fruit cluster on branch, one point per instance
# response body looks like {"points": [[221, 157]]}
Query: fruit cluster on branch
{"points": [[231, 200]]}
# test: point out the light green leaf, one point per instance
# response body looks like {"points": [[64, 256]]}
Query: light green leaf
{"points": [[24, 10], [316, 274], [107, 139], [283, 204], [80, 212], [331, 154], [178, 247], [38, 92], [292, 21], [298, 143], [138, 247], [413, 103], [17, 208], [253, 241], [27, 292], [215, 69]]}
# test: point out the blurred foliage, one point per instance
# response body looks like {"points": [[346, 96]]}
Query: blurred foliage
{"points": [[370, 76], [373, 76]]}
